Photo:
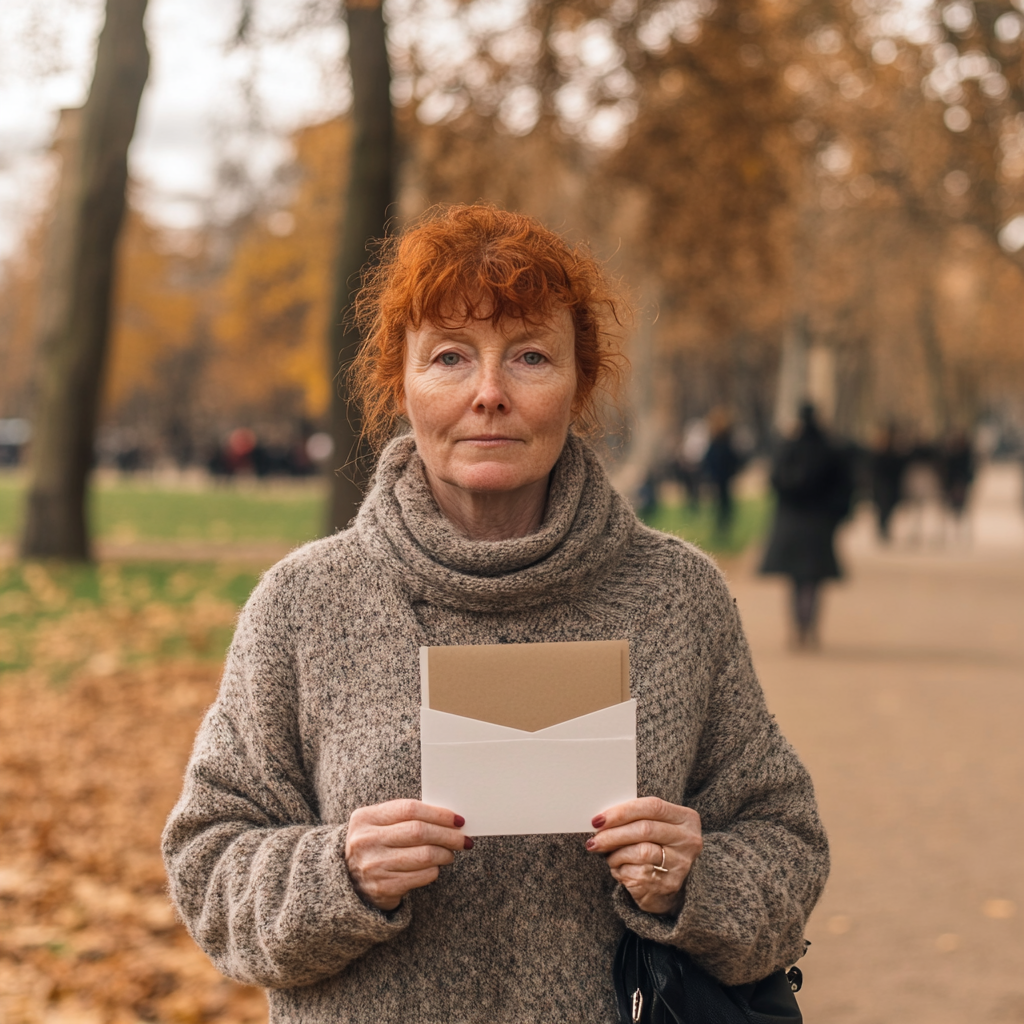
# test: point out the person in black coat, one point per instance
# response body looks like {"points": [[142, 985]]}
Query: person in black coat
{"points": [[888, 464], [720, 464], [813, 482], [957, 462]]}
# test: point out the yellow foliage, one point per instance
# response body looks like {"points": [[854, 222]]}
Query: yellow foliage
{"points": [[257, 327], [18, 289], [158, 311], [238, 335], [275, 301]]}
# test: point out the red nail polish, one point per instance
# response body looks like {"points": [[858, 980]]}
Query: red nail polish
{"points": [[591, 844], [598, 822], [467, 843], [459, 821]]}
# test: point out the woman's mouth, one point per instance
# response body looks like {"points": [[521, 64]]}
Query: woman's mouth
{"points": [[490, 439]]}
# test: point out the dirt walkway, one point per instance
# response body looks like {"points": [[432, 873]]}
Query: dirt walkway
{"points": [[910, 720]]}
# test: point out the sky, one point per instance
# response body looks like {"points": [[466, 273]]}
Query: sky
{"points": [[194, 111]]}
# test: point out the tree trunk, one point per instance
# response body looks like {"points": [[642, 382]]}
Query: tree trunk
{"points": [[370, 192], [75, 319], [649, 430]]}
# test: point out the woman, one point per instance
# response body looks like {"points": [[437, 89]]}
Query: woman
{"points": [[299, 855], [813, 484]]}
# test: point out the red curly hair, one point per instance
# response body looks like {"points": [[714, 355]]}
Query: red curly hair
{"points": [[462, 263]]}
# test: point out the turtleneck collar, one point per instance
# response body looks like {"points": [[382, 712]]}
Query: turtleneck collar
{"points": [[586, 526]]}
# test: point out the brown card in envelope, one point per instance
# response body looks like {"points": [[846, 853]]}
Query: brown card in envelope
{"points": [[527, 686]]}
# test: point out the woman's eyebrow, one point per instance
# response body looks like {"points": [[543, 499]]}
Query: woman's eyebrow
{"points": [[446, 334]]}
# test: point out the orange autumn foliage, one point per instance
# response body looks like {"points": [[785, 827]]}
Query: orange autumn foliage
{"points": [[227, 329], [18, 315], [158, 311], [274, 301]]}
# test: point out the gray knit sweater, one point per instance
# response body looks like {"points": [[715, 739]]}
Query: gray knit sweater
{"points": [[318, 715]]}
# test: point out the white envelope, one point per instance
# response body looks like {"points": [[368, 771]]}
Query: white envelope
{"points": [[507, 781]]}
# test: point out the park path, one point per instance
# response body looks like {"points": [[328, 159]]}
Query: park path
{"points": [[911, 721]]}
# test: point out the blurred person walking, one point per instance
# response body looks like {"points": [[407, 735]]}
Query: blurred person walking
{"points": [[647, 494], [721, 463], [888, 464], [957, 471], [923, 493], [690, 458], [814, 486]]}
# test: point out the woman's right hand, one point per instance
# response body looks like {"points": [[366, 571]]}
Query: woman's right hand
{"points": [[398, 846]]}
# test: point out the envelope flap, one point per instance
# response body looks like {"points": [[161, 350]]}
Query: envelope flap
{"points": [[440, 727], [616, 721], [609, 723], [525, 686]]}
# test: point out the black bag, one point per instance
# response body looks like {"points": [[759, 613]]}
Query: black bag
{"points": [[658, 984]]}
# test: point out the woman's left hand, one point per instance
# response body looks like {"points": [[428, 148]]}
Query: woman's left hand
{"points": [[639, 837]]}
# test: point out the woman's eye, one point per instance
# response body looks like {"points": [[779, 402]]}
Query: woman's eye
{"points": [[533, 359], [450, 359]]}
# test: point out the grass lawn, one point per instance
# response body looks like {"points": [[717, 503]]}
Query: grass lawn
{"points": [[126, 511], [57, 620], [751, 519]]}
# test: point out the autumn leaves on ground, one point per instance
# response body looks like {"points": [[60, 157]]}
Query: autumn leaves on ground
{"points": [[108, 673], [89, 772]]}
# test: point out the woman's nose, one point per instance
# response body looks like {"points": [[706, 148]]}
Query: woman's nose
{"points": [[492, 393]]}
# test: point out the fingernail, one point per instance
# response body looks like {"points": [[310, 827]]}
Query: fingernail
{"points": [[467, 843], [459, 821], [598, 822], [591, 844]]}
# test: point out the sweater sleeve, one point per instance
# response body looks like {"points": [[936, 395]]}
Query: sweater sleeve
{"points": [[258, 879], [765, 856]]}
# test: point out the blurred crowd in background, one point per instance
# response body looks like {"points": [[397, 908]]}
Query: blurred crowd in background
{"points": [[900, 467], [702, 462]]}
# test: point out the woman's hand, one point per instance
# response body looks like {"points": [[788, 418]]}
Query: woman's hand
{"points": [[639, 837], [398, 846]]}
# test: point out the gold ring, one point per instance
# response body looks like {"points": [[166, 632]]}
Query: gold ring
{"points": [[662, 868]]}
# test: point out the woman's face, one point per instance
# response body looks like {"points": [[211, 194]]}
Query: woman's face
{"points": [[490, 407]]}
